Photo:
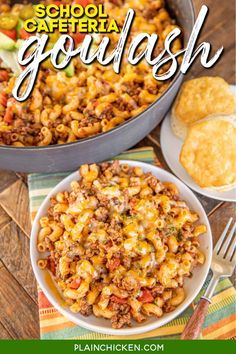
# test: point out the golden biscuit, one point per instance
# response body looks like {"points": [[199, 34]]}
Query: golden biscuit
{"points": [[199, 98], [209, 153]]}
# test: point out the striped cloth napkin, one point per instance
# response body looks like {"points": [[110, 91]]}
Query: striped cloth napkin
{"points": [[221, 319]]}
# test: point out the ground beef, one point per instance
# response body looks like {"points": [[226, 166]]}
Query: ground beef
{"points": [[170, 194], [126, 261], [115, 167], [123, 309], [74, 251], [89, 115], [152, 9], [49, 244], [157, 51], [115, 232], [153, 89], [108, 245], [123, 317], [93, 250], [120, 205], [132, 88], [187, 231], [103, 87], [104, 166], [168, 308], [130, 284], [123, 105], [188, 227], [6, 138], [152, 181], [107, 113], [157, 290], [119, 321], [102, 214], [103, 200], [5, 7], [86, 309], [148, 13]]}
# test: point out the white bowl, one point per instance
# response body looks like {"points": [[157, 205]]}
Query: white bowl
{"points": [[192, 285]]}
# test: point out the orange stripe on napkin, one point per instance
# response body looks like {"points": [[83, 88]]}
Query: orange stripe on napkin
{"points": [[43, 301], [219, 324], [228, 335]]}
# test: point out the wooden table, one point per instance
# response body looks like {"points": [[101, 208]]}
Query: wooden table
{"points": [[18, 295]]}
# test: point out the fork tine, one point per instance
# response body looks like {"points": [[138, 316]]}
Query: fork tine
{"points": [[227, 241], [222, 237], [231, 250]]}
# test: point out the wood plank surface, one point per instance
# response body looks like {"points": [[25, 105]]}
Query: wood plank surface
{"points": [[15, 255], [18, 291], [4, 218], [6, 179], [218, 220], [18, 312], [4, 333], [219, 30], [14, 200], [220, 217]]}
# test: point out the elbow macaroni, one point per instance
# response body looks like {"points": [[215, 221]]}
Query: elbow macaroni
{"points": [[133, 261], [64, 109]]}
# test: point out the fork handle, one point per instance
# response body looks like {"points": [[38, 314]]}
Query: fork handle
{"points": [[194, 325]]}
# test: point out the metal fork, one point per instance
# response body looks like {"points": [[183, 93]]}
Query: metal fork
{"points": [[223, 264]]}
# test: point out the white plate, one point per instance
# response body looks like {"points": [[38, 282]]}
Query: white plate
{"points": [[171, 147], [192, 285]]}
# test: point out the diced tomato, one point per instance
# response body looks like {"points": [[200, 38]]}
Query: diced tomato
{"points": [[8, 117], [113, 264], [12, 101], [146, 296], [75, 283], [78, 37], [81, 2], [51, 266], [4, 75], [24, 34], [57, 3], [118, 300], [108, 245], [3, 99], [9, 33]]}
